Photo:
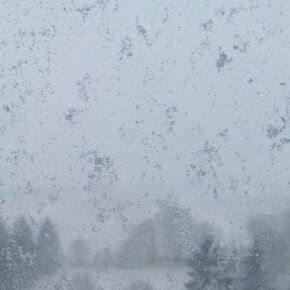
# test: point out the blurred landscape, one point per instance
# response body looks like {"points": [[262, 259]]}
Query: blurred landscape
{"points": [[168, 251], [144, 145]]}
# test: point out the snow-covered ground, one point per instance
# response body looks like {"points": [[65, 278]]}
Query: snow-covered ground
{"points": [[159, 278], [167, 278]]}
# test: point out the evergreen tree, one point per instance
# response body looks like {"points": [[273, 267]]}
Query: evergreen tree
{"points": [[208, 269], [5, 261], [255, 273], [265, 230], [48, 249], [203, 266], [23, 263]]}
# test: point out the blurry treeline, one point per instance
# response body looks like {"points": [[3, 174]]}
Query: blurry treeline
{"points": [[171, 237], [167, 238], [264, 263], [26, 256], [261, 260]]}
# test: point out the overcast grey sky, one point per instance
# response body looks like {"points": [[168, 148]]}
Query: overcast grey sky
{"points": [[108, 106]]}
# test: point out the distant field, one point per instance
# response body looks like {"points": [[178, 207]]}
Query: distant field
{"points": [[118, 279]]}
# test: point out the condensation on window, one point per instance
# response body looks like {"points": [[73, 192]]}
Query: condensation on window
{"points": [[144, 145]]}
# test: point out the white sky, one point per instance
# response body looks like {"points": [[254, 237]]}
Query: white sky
{"points": [[138, 82]]}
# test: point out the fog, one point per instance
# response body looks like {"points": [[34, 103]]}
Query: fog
{"points": [[115, 113]]}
